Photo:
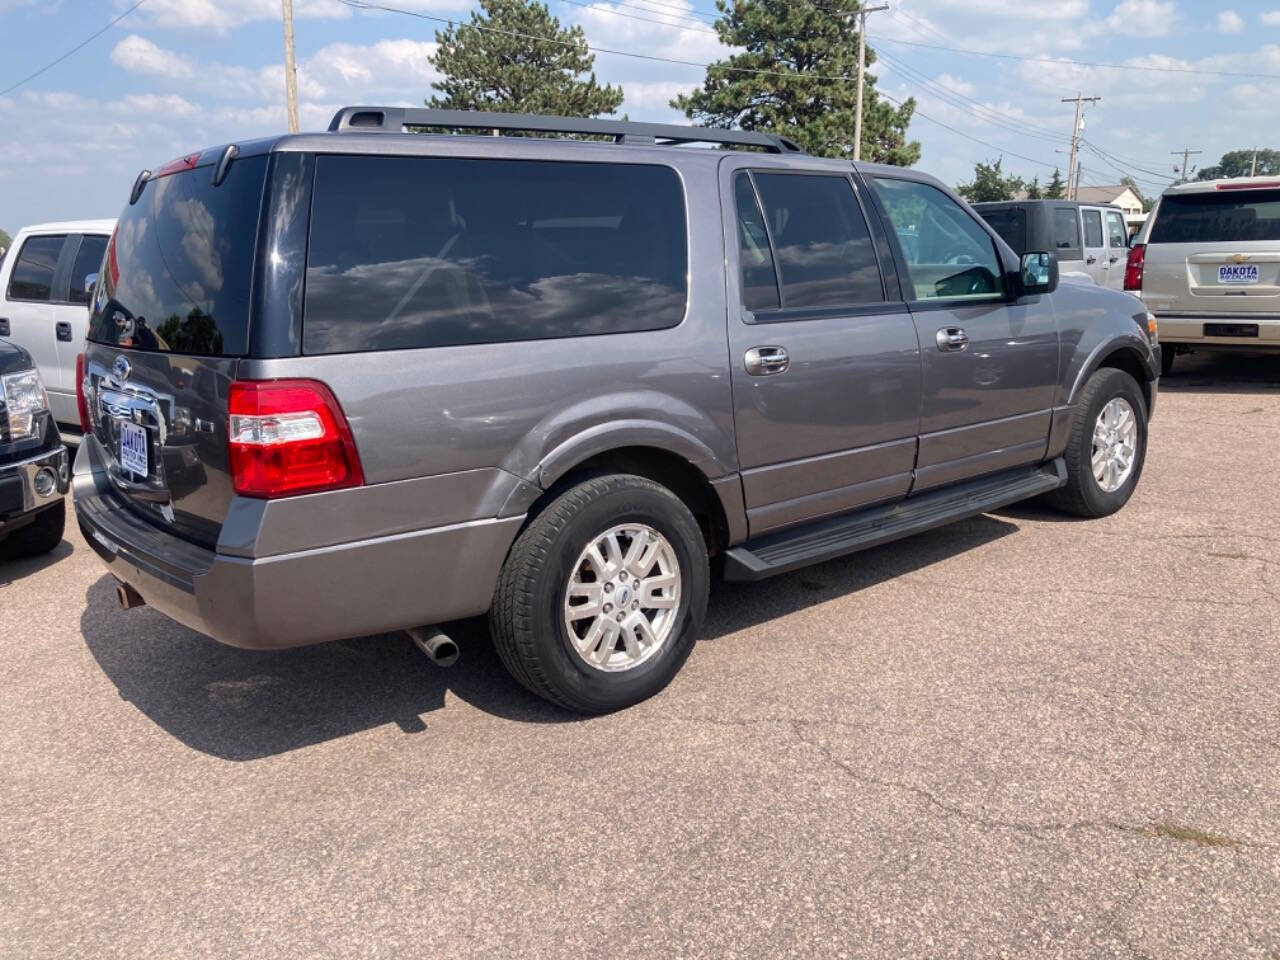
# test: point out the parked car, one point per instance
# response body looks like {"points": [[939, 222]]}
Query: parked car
{"points": [[33, 461], [1090, 240], [1207, 264], [442, 376], [46, 281]]}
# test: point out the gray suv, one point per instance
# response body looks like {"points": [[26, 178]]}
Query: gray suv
{"points": [[366, 380]]}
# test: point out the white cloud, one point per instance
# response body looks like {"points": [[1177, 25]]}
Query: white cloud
{"points": [[654, 96], [221, 16], [139, 55], [1229, 22], [1143, 18], [1271, 18], [166, 104], [963, 87]]}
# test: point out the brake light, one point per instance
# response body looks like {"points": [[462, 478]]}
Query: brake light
{"points": [[1250, 185], [82, 402], [289, 437], [1133, 266]]}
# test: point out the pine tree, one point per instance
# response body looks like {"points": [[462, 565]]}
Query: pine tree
{"points": [[491, 63], [1033, 189], [804, 56], [1056, 190], [989, 183]]}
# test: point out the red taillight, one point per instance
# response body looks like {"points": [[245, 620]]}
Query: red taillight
{"points": [[289, 437], [1133, 266], [82, 402]]}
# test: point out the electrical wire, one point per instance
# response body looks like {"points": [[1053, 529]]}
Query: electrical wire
{"points": [[79, 46]]}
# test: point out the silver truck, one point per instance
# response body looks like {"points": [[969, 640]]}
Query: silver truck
{"points": [[365, 380]]}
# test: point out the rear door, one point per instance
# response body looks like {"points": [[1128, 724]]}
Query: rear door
{"points": [[1117, 248], [1095, 244], [28, 305], [83, 254], [824, 357], [1215, 254], [990, 362]]}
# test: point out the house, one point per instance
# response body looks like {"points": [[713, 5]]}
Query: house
{"points": [[1120, 195]]}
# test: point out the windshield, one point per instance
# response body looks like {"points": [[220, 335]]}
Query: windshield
{"points": [[178, 269], [1234, 216]]}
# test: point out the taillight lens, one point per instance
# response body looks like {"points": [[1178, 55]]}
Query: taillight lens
{"points": [[289, 437], [82, 402], [1133, 266]]}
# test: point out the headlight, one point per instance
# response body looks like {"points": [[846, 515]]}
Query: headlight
{"points": [[24, 400]]}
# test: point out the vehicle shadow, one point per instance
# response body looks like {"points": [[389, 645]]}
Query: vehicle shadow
{"points": [[1210, 371], [245, 705], [13, 569]]}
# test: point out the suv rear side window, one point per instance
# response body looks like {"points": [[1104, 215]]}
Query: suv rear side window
{"points": [[32, 277], [434, 251], [1093, 228], [1011, 224], [1066, 232], [1227, 216], [821, 240]]}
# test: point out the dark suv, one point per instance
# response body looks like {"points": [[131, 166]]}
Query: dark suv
{"points": [[365, 380], [33, 461]]}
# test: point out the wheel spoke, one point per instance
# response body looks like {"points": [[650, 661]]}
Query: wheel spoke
{"points": [[591, 639], [608, 641], [639, 626], [583, 600], [650, 595], [639, 544]]}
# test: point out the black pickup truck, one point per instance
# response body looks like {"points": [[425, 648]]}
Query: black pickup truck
{"points": [[33, 462]]}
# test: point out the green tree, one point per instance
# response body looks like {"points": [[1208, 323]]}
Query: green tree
{"points": [[794, 77], [6, 241], [1056, 190], [1033, 189], [1238, 163], [989, 183], [491, 63]]}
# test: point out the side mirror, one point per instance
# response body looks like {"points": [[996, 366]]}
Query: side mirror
{"points": [[1038, 273], [89, 280]]}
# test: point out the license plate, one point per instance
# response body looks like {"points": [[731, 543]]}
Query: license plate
{"points": [[1238, 273], [133, 449]]}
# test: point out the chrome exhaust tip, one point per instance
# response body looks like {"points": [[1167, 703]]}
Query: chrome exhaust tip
{"points": [[435, 643]]}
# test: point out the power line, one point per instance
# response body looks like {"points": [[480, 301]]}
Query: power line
{"points": [[79, 46]]}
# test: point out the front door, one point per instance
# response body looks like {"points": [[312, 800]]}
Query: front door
{"points": [[824, 357], [990, 362], [1117, 249], [1095, 245]]}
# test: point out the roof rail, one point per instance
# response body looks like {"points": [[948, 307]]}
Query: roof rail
{"points": [[396, 119]]}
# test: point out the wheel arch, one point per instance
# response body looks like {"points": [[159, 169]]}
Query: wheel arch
{"points": [[1130, 354]]}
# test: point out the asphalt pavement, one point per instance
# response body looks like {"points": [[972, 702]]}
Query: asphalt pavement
{"points": [[1020, 736]]}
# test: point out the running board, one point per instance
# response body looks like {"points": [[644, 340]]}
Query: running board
{"points": [[836, 536]]}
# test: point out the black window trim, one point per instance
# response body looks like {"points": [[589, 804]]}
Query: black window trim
{"points": [[783, 313], [57, 265], [916, 305]]}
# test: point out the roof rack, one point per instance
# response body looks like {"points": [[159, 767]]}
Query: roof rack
{"points": [[396, 119]]}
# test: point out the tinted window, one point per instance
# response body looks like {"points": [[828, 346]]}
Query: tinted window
{"points": [[1092, 228], [1066, 230], [1117, 233], [32, 277], [1227, 216], [1011, 224], [948, 253], [432, 251], [759, 281], [88, 260], [179, 266], [820, 239]]}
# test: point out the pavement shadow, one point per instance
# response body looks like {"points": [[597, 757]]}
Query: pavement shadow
{"points": [[1219, 371], [13, 569]]}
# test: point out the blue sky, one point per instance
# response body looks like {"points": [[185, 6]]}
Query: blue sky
{"points": [[176, 75]]}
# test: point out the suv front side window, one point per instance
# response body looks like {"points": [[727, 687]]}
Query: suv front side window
{"points": [[32, 277], [949, 256]]}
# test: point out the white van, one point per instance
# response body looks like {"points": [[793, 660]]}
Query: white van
{"points": [[1090, 240]]}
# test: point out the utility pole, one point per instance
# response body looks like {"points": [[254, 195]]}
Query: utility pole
{"points": [[1073, 180], [1253, 167], [1184, 171], [290, 68], [862, 66]]}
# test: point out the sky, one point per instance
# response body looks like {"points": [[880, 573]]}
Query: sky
{"points": [[173, 76]]}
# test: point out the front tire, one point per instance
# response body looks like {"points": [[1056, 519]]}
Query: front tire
{"points": [[602, 595], [40, 536], [1107, 448]]}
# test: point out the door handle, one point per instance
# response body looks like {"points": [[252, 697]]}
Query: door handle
{"points": [[1091, 260], [766, 361], [1113, 260], [4, 326], [64, 331], [952, 339]]}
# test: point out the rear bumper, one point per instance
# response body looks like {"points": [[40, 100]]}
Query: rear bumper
{"points": [[20, 498], [292, 599], [1185, 328]]}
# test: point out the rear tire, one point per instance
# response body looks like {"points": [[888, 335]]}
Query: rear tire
{"points": [[547, 642], [1099, 480], [38, 537], [1166, 360]]}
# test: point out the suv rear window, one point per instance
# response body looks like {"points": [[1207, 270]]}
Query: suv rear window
{"points": [[1011, 224], [1229, 216], [180, 264], [434, 251]]}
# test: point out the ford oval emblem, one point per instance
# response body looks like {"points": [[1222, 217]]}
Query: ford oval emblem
{"points": [[122, 368]]}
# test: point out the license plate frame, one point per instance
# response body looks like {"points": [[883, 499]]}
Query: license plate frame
{"points": [[135, 451], [1237, 274]]}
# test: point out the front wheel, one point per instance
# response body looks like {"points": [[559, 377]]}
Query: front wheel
{"points": [[1107, 447], [602, 596]]}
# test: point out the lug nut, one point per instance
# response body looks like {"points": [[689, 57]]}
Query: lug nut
{"points": [[608, 608], [620, 616], [608, 588], [635, 604]]}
